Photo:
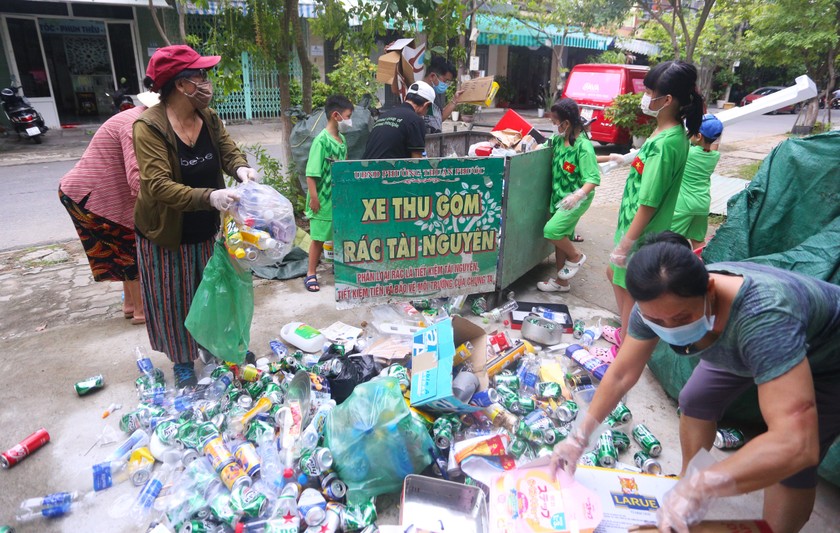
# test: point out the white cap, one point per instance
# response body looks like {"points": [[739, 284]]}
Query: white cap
{"points": [[423, 89]]}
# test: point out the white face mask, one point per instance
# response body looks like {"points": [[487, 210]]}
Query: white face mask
{"points": [[345, 125], [645, 105]]}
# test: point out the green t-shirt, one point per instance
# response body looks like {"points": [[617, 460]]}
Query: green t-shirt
{"points": [[325, 149], [695, 191], [571, 167], [777, 318], [654, 181]]}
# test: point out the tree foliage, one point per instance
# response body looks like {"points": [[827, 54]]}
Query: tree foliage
{"points": [[683, 22]]}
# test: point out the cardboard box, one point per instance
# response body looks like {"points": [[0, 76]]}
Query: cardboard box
{"points": [[716, 526], [476, 90], [513, 120], [400, 57], [432, 359]]}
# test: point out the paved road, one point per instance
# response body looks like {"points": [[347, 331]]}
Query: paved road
{"points": [[35, 216]]}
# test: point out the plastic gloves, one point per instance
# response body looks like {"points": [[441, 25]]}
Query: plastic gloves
{"points": [[573, 200], [247, 174], [618, 159], [222, 199], [581, 438], [687, 503], [620, 253]]}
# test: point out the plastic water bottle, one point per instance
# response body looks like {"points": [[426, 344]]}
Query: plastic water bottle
{"points": [[142, 506], [590, 335], [528, 373], [216, 389], [144, 364], [135, 440], [497, 314], [312, 434], [108, 474], [49, 506], [592, 364]]}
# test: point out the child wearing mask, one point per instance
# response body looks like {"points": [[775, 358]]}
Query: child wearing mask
{"points": [[327, 147]]}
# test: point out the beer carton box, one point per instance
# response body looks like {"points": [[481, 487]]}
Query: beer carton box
{"points": [[432, 360]]}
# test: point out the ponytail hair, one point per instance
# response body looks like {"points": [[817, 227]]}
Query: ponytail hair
{"points": [[567, 109], [679, 79], [665, 264]]}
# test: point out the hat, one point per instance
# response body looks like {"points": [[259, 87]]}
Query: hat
{"points": [[423, 89], [711, 127], [169, 61], [148, 98]]}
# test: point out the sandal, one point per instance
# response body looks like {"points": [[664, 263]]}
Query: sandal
{"points": [[611, 334], [571, 268], [552, 286], [606, 355], [577, 237], [311, 283]]}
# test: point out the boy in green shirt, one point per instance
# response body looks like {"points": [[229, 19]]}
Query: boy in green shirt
{"points": [[691, 214], [328, 146]]}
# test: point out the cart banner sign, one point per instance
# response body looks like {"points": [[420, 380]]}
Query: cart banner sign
{"points": [[413, 228]]}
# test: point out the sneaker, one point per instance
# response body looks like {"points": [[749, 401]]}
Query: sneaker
{"points": [[184, 375], [571, 268], [552, 286]]}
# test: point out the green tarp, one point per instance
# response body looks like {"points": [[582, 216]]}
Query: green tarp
{"points": [[789, 217]]}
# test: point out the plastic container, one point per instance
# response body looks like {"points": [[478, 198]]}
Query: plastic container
{"points": [[329, 251], [302, 336]]}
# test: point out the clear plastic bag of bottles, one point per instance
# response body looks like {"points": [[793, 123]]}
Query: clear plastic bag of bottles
{"points": [[260, 227], [375, 441]]}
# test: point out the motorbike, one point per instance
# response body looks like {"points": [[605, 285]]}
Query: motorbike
{"points": [[26, 121], [122, 100]]}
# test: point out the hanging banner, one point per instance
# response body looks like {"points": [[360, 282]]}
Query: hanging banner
{"points": [[415, 228]]}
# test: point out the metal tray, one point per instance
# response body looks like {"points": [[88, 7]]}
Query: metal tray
{"points": [[444, 506]]}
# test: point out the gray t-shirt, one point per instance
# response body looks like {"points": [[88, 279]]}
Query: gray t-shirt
{"points": [[777, 318], [434, 118]]}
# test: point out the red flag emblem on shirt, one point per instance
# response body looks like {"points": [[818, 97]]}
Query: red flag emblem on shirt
{"points": [[639, 165], [568, 167]]}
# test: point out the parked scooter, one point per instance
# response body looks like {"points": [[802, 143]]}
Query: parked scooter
{"points": [[26, 120], [122, 100]]}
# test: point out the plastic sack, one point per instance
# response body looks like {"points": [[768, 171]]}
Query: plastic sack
{"points": [[220, 314], [259, 227], [375, 441], [356, 369]]}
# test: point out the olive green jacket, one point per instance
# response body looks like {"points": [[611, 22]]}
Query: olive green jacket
{"points": [[163, 198]]}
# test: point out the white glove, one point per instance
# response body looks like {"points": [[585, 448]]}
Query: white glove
{"points": [[618, 159], [620, 253], [568, 451], [247, 174], [573, 200], [222, 199], [687, 503]]}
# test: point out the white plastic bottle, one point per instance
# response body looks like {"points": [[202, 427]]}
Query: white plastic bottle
{"points": [[303, 336]]}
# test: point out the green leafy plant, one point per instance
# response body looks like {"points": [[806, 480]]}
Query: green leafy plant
{"points": [[320, 92], [272, 173], [466, 109], [612, 57], [354, 77], [507, 93], [625, 112]]}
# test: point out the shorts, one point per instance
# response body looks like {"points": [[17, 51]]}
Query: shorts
{"points": [[320, 230], [693, 227], [710, 390], [562, 223]]}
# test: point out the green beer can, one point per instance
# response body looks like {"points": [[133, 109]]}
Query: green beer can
{"points": [[554, 435], [567, 411], [517, 448], [89, 385], [646, 463], [548, 389], [606, 454], [647, 440], [507, 380], [442, 433], [620, 440], [244, 499], [588, 459], [527, 405], [621, 414]]}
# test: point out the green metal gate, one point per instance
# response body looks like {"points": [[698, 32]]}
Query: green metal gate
{"points": [[260, 94]]}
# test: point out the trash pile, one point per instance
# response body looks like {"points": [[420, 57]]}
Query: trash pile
{"points": [[309, 435]]}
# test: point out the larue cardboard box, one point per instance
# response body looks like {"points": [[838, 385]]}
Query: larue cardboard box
{"points": [[432, 359]]}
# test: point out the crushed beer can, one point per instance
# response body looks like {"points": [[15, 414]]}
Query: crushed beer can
{"points": [[89, 385]]}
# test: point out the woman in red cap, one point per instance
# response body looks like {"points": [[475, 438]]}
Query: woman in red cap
{"points": [[182, 149]]}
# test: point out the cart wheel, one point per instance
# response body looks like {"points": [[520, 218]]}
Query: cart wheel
{"points": [[37, 139]]}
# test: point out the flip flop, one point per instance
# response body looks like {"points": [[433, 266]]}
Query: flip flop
{"points": [[311, 283], [571, 268], [138, 321], [552, 286], [606, 355], [576, 238], [611, 334]]}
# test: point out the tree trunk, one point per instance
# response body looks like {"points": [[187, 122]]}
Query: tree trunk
{"points": [[705, 77], [811, 113], [155, 19], [305, 63], [182, 27]]}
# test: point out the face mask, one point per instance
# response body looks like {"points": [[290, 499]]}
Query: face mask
{"points": [[345, 125], [202, 95], [645, 105], [441, 87], [685, 334]]}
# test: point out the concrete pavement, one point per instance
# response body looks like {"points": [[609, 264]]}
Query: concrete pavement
{"points": [[58, 326]]}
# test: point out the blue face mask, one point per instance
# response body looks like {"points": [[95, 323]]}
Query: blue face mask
{"points": [[685, 334], [441, 87]]}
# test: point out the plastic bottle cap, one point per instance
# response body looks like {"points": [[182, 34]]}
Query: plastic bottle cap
{"points": [[288, 473]]}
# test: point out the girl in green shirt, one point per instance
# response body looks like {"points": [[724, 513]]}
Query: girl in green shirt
{"points": [[653, 185], [575, 175]]}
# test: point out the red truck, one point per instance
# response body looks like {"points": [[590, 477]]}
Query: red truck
{"points": [[594, 86]]}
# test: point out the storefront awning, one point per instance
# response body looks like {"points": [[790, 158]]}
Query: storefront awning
{"points": [[305, 10], [512, 32], [637, 46]]}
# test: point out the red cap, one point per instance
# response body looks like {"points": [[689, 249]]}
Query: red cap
{"points": [[169, 61]]}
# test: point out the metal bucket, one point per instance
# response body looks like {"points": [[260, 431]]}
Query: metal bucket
{"points": [[440, 505]]}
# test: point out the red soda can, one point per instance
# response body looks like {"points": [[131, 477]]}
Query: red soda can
{"points": [[24, 448]]}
